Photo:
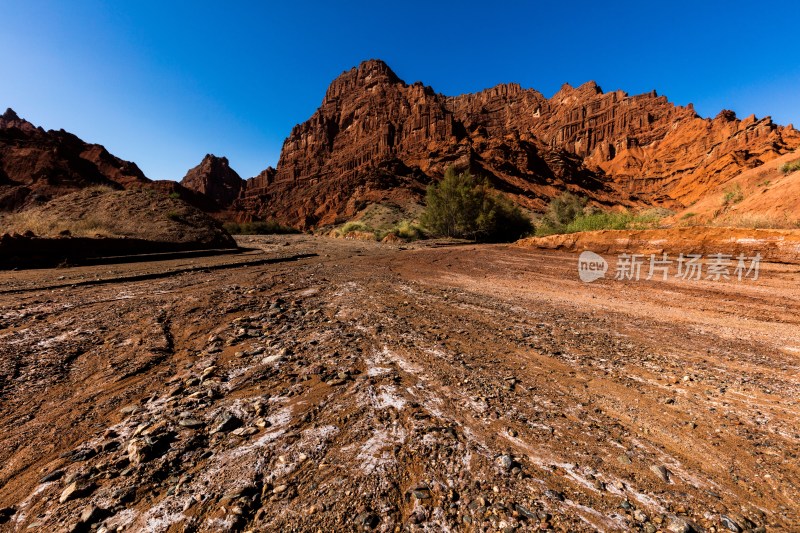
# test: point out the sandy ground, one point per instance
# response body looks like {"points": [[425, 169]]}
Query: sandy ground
{"points": [[376, 387]]}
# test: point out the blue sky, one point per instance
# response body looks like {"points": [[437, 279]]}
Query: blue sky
{"points": [[163, 83]]}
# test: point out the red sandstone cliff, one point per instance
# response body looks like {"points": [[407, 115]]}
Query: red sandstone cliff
{"points": [[377, 139]]}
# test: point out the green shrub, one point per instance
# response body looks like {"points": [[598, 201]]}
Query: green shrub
{"points": [[232, 227], [409, 230], [174, 215], [461, 206], [404, 229], [352, 226], [568, 213], [561, 211], [792, 166], [734, 195], [270, 227], [600, 220], [175, 195]]}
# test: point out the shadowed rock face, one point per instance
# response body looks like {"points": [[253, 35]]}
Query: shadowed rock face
{"points": [[215, 178], [37, 165], [620, 149]]}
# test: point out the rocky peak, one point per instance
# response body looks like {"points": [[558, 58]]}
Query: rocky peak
{"points": [[10, 119], [368, 74], [216, 179], [569, 93], [376, 67], [10, 114], [726, 115]]}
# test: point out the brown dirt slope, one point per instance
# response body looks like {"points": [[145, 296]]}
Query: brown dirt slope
{"points": [[107, 213], [761, 197]]}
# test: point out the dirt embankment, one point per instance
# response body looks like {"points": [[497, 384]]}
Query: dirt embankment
{"points": [[774, 245], [98, 222]]}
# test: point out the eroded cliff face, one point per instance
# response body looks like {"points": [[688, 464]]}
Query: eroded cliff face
{"points": [[654, 149], [360, 146], [378, 139]]}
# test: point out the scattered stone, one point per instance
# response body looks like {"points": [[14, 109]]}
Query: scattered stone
{"points": [[272, 359], [76, 489], [225, 423], [676, 524], [730, 524], [52, 476], [661, 471], [129, 409], [524, 511], [554, 495], [92, 514], [208, 372], [146, 449], [191, 423], [505, 462], [421, 493], [244, 432], [79, 455]]}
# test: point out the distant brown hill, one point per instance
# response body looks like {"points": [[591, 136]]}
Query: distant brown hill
{"points": [[37, 165], [97, 222]]}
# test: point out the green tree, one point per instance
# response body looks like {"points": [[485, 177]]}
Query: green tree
{"points": [[462, 206]]}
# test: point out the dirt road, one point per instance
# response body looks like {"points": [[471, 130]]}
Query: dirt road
{"points": [[373, 387]]}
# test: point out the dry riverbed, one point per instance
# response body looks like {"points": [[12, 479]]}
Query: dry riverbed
{"points": [[358, 386]]}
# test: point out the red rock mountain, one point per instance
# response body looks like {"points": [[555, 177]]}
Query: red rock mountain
{"points": [[36, 165], [215, 178], [378, 139]]}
